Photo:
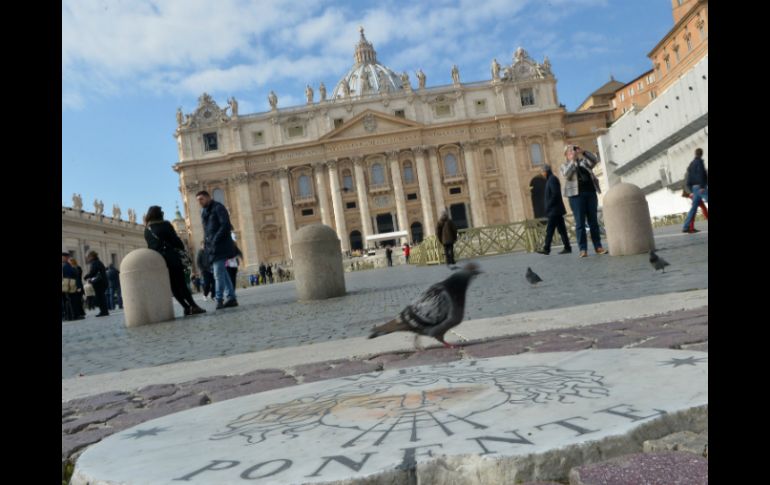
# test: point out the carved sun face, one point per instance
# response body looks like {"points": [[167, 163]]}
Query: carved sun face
{"points": [[207, 114]]}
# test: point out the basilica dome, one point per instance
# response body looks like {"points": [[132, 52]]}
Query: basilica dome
{"points": [[367, 76]]}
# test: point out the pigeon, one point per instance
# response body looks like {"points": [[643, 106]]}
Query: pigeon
{"points": [[435, 311], [657, 262], [532, 277]]}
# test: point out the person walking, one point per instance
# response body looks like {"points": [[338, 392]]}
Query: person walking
{"points": [[204, 265], [220, 246], [446, 232], [697, 183], [389, 255], [97, 276], [555, 210], [407, 250]]}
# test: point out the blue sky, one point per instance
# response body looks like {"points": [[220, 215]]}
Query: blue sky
{"points": [[128, 64]]}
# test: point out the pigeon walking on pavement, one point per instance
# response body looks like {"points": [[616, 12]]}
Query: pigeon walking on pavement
{"points": [[657, 262], [435, 311], [532, 277]]}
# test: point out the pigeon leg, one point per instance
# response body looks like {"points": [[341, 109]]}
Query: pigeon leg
{"points": [[463, 338], [417, 342], [447, 345]]}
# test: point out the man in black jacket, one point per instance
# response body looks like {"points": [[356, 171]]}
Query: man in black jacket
{"points": [[554, 208], [220, 246], [697, 183]]}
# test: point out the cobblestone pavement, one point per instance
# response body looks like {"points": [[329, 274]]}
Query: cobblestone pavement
{"points": [[88, 420], [270, 317]]}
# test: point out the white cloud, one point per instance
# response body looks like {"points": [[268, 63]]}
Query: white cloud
{"points": [[191, 46]]}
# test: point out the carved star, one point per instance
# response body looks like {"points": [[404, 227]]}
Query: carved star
{"points": [[688, 361], [145, 432]]}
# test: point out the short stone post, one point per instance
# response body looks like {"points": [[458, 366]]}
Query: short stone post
{"points": [[627, 220], [318, 267], [146, 288]]}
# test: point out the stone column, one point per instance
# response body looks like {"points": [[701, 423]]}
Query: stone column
{"points": [[248, 244], [422, 180], [323, 202], [288, 208], [398, 190], [363, 198], [194, 213], [339, 212], [515, 196], [477, 209], [438, 185]]}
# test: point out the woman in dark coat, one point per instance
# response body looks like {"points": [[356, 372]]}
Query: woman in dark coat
{"points": [[161, 237], [77, 300], [97, 276], [554, 208]]}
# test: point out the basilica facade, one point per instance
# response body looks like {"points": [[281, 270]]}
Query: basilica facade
{"points": [[379, 155]]}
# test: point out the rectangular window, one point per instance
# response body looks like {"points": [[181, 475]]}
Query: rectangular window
{"points": [[527, 97], [257, 137], [295, 131], [676, 54], [411, 196], [631, 92], [337, 122], [307, 212], [350, 205], [455, 190], [481, 106], [209, 142], [689, 43], [114, 259], [622, 97], [443, 110], [400, 113], [668, 64]]}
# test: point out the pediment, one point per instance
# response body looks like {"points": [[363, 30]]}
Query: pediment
{"points": [[370, 122]]}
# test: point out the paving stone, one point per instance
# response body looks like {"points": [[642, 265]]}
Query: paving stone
{"points": [[563, 344], [100, 401], [680, 441], [251, 388], [340, 369], [70, 443], [157, 391], [94, 417], [500, 347]]}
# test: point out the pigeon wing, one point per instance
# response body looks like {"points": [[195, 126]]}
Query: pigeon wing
{"points": [[430, 309]]}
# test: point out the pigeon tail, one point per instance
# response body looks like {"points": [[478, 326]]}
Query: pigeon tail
{"points": [[394, 325]]}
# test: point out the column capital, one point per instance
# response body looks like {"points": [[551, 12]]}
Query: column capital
{"points": [[192, 186], [505, 140], [358, 160], [418, 150], [469, 145], [332, 164], [240, 178], [318, 166], [282, 172], [392, 154]]}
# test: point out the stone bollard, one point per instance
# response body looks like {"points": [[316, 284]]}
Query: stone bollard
{"points": [[627, 220], [318, 263], [146, 288]]}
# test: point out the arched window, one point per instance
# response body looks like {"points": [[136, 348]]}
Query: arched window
{"points": [[304, 186], [489, 161], [536, 154], [267, 196], [219, 195], [408, 173], [378, 176], [450, 165], [347, 179]]}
